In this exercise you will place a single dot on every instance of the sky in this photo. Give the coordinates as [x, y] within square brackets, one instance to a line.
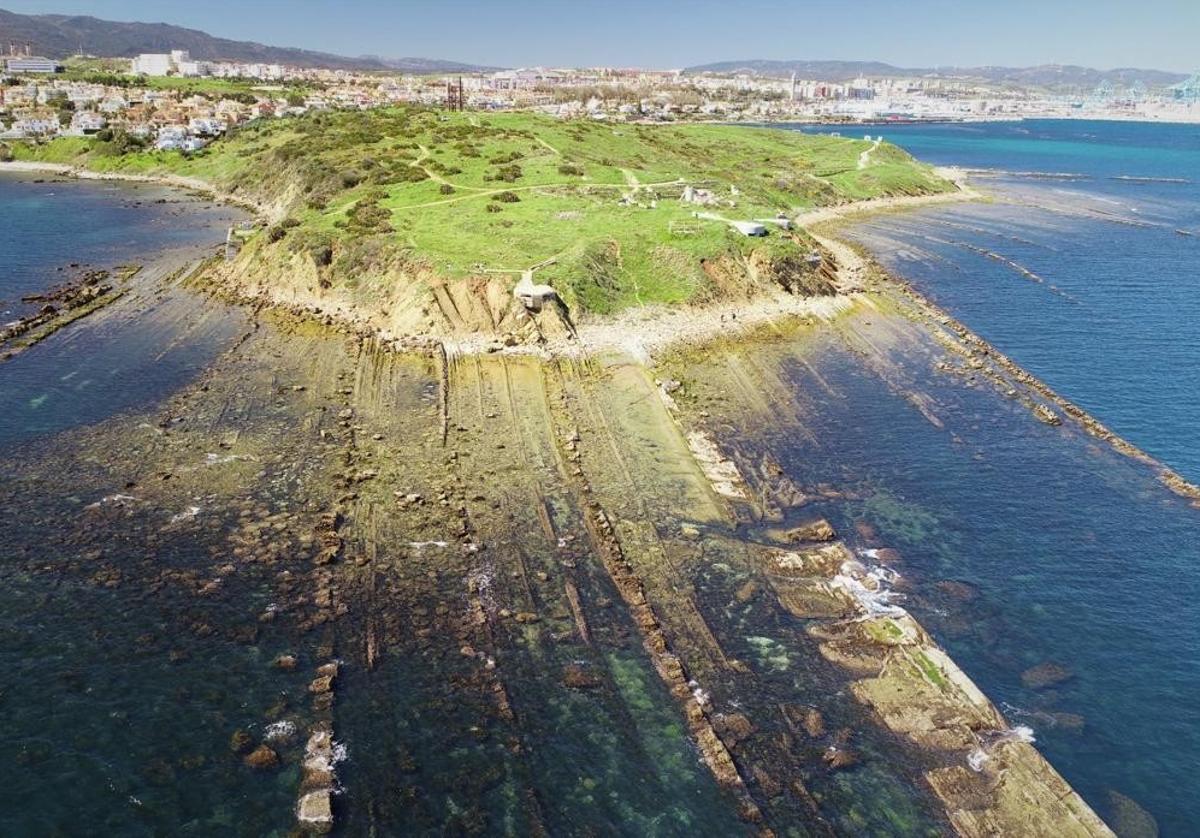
[1155, 34]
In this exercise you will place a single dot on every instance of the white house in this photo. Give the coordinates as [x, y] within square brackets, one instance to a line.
[206, 127]
[87, 122]
[171, 138]
[35, 127]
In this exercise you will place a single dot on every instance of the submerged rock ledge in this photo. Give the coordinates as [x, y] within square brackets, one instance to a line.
[539, 492]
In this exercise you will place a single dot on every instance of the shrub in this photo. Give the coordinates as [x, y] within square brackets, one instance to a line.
[570, 169]
[506, 197]
[367, 217]
[494, 208]
[511, 157]
[509, 174]
[446, 189]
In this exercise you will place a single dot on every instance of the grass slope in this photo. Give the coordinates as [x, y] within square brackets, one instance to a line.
[468, 193]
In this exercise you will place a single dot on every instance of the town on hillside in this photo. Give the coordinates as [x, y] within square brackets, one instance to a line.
[173, 102]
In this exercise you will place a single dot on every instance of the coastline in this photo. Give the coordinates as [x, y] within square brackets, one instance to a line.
[951, 120]
[189, 184]
[699, 328]
[644, 333]
[649, 331]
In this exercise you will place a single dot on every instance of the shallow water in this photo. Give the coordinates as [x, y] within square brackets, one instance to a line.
[1078, 557]
[51, 223]
[1069, 553]
[142, 347]
[147, 678]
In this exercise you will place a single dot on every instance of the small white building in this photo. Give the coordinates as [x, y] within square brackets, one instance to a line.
[32, 64]
[152, 64]
[170, 138]
[206, 127]
[532, 296]
[36, 127]
[749, 228]
[87, 122]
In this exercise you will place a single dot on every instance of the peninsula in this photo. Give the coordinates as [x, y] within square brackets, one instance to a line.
[411, 222]
[410, 228]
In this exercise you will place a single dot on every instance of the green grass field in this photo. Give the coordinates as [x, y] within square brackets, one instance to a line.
[471, 192]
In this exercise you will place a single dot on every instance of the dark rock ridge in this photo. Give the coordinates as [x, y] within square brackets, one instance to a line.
[59, 36]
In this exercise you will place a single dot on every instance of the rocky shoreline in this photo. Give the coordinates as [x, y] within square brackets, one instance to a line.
[541, 560]
[61, 306]
[981, 358]
[200, 188]
[418, 444]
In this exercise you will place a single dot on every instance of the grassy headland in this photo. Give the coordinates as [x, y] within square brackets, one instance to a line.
[419, 221]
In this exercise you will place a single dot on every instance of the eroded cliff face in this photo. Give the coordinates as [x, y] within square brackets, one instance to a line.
[371, 285]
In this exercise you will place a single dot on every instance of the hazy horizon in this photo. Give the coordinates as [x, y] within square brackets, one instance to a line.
[671, 34]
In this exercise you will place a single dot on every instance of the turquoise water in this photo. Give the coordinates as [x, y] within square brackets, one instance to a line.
[1072, 554]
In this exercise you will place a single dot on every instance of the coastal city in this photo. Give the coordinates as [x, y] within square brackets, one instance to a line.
[178, 103]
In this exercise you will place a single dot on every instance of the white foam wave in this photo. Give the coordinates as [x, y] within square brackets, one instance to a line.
[991, 739]
[869, 586]
[279, 731]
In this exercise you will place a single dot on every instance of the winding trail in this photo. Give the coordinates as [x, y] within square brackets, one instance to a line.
[864, 159]
[965, 192]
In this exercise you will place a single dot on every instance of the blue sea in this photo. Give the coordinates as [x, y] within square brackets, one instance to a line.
[1084, 269]
[54, 229]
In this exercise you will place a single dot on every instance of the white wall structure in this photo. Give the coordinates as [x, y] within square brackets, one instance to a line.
[152, 64]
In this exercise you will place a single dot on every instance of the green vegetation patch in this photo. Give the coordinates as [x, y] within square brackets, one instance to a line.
[600, 205]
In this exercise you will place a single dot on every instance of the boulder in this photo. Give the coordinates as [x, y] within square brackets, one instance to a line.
[1129, 820]
[840, 758]
[814, 723]
[733, 728]
[1045, 675]
[961, 591]
[815, 531]
[315, 809]
[578, 677]
[262, 757]
[241, 742]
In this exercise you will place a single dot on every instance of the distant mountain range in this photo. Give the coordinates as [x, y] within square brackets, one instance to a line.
[1047, 75]
[59, 36]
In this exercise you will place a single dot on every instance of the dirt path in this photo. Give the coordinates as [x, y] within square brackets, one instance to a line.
[864, 159]
[965, 192]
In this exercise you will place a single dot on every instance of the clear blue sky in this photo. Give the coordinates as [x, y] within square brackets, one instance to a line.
[1160, 34]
